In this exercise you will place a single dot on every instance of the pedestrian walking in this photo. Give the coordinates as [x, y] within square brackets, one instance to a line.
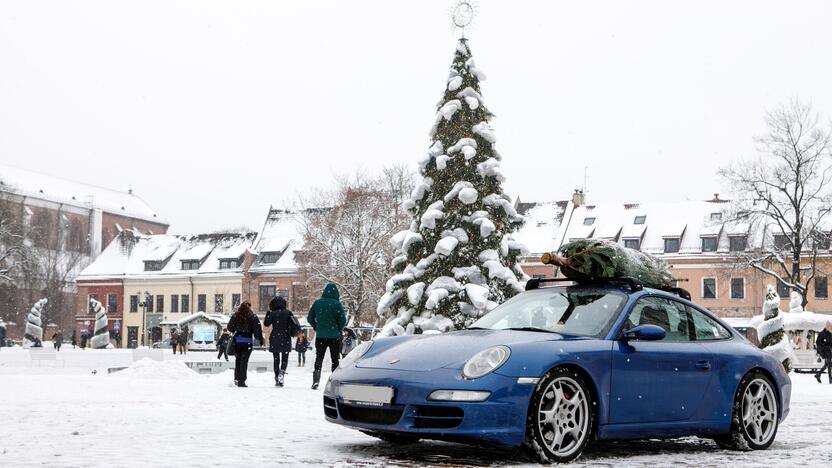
[2, 333]
[58, 339]
[823, 346]
[183, 341]
[222, 344]
[83, 339]
[301, 345]
[328, 319]
[174, 340]
[73, 340]
[245, 326]
[284, 327]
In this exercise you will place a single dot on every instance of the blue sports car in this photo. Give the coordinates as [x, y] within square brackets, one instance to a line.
[556, 366]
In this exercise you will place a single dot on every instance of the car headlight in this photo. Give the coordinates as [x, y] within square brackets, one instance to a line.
[485, 362]
[355, 354]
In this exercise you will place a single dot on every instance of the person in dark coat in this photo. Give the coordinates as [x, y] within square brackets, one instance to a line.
[58, 339]
[83, 339]
[174, 340]
[2, 334]
[245, 326]
[183, 341]
[73, 340]
[823, 346]
[301, 345]
[284, 327]
[328, 319]
[222, 344]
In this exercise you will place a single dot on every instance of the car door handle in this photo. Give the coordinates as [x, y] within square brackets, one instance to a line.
[704, 365]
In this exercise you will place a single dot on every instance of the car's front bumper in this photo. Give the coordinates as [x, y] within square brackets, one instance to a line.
[499, 420]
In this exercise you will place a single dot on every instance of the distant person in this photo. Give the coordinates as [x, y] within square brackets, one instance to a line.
[823, 346]
[222, 344]
[73, 340]
[284, 327]
[174, 340]
[83, 339]
[245, 326]
[301, 346]
[2, 334]
[183, 341]
[328, 319]
[58, 339]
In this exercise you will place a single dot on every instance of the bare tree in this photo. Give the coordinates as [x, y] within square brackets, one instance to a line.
[347, 232]
[784, 194]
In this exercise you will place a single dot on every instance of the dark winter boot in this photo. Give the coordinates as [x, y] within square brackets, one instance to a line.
[280, 378]
[817, 377]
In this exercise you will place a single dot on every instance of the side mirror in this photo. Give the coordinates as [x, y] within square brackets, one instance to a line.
[645, 333]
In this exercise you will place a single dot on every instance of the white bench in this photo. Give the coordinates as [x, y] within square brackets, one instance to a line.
[154, 354]
[43, 354]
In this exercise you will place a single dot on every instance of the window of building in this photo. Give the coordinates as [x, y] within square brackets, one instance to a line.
[190, 264]
[716, 216]
[235, 302]
[640, 219]
[267, 292]
[174, 303]
[708, 288]
[269, 257]
[201, 302]
[134, 303]
[671, 245]
[781, 241]
[186, 303]
[737, 288]
[589, 221]
[284, 293]
[632, 243]
[821, 287]
[90, 298]
[160, 303]
[152, 265]
[76, 239]
[737, 243]
[112, 303]
[706, 328]
[709, 244]
[148, 302]
[230, 264]
[219, 302]
[782, 290]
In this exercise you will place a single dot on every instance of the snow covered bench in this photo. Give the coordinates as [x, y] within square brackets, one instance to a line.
[43, 354]
[154, 354]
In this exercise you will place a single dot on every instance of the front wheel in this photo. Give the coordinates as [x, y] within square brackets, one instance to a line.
[754, 417]
[561, 418]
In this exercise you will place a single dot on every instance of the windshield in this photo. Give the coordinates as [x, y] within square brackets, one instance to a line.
[573, 311]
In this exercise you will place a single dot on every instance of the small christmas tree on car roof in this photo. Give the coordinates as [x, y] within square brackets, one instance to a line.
[597, 259]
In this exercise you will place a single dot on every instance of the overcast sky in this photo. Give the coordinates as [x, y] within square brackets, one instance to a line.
[214, 110]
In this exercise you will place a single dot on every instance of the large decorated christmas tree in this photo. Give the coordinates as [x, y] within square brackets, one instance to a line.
[457, 261]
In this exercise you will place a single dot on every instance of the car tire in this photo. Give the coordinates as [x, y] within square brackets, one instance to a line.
[755, 415]
[561, 417]
[396, 439]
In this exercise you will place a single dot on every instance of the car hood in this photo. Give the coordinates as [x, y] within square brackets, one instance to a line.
[430, 352]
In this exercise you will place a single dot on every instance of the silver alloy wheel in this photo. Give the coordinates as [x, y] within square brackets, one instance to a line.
[759, 411]
[563, 416]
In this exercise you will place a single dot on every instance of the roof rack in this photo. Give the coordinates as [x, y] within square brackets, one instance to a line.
[631, 282]
[681, 292]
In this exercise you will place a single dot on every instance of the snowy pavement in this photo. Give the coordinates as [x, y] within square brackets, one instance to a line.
[164, 414]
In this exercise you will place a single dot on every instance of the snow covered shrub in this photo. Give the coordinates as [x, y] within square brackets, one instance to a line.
[34, 326]
[773, 338]
[101, 335]
[457, 261]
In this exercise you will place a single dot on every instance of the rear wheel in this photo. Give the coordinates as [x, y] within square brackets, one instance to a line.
[397, 439]
[561, 418]
[754, 417]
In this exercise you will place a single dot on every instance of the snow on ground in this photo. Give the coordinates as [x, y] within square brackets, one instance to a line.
[155, 414]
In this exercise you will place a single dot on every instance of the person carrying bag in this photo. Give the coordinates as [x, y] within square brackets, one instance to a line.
[245, 326]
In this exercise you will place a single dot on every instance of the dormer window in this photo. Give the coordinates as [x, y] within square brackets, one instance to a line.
[671, 245]
[716, 216]
[641, 219]
[269, 257]
[190, 264]
[709, 244]
[589, 221]
[153, 265]
[229, 263]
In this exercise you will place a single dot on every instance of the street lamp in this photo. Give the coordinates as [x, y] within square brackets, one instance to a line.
[144, 305]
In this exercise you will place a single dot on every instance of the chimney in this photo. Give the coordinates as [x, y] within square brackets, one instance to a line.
[578, 197]
[716, 199]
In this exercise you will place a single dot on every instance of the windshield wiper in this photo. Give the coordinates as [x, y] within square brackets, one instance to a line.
[534, 329]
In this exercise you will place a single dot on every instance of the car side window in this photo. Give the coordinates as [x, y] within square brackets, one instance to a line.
[671, 316]
[706, 328]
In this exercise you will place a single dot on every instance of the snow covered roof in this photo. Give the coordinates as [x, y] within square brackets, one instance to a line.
[543, 221]
[55, 189]
[221, 320]
[127, 254]
[282, 234]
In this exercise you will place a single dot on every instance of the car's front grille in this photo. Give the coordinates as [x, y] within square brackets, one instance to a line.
[437, 417]
[370, 415]
[330, 408]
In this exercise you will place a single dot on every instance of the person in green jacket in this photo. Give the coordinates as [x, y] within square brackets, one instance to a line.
[328, 319]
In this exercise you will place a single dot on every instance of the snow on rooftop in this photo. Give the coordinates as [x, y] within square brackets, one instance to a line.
[282, 233]
[37, 185]
[543, 221]
[198, 251]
